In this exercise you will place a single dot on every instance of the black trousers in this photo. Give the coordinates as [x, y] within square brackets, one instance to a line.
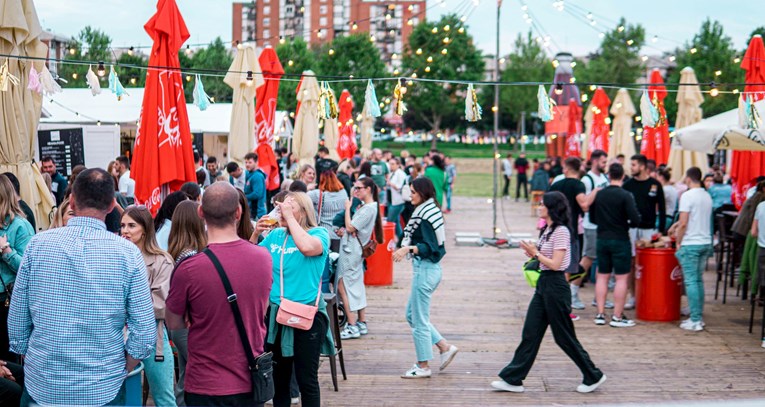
[551, 305]
[307, 348]
[506, 188]
[10, 391]
[235, 400]
[5, 353]
[522, 180]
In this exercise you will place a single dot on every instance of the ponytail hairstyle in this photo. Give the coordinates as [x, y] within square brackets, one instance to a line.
[369, 183]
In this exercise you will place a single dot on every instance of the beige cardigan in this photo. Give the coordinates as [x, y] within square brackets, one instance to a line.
[159, 268]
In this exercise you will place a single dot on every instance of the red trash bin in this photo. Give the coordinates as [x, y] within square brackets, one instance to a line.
[658, 285]
[380, 264]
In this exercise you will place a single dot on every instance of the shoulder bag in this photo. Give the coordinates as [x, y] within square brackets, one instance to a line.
[368, 249]
[531, 268]
[261, 368]
[294, 314]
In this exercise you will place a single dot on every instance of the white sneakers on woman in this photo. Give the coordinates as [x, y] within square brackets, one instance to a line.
[448, 356]
[416, 372]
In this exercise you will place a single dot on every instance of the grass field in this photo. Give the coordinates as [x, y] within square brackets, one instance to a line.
[458, 150]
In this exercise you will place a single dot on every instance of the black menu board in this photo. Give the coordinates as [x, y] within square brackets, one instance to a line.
[65, 146]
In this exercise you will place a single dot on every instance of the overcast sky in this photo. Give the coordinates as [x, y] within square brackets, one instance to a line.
[673, 21]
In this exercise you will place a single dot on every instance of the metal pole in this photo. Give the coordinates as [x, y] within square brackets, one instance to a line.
[523, 132]
[496, 129]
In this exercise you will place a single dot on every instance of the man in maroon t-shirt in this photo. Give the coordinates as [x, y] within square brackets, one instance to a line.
[217, 372]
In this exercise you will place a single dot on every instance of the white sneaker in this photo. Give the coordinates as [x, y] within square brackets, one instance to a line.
[763, 343]
[692, 326]
[688, 321]
[363, 329]
[583, 388]
[448, 356]
[416, 372]
[576, 303]
[609, 304]
[630, 304]
[622, 322]
[350, 332]
[295, 400]
[505, 386]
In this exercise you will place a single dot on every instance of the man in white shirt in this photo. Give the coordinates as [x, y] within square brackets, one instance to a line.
[507, 172]
[397, 182]
[236, 176]
[693, 234]
[126, 184]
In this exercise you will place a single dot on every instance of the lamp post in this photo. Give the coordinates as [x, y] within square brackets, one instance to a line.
[495, 109]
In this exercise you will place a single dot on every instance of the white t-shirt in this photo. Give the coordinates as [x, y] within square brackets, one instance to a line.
[397, 179]
[163, 234]
[698, 204]
[670, 198]
[507, 167]
[759, 216]
[559, 177]
[127, 185]
[600, 181]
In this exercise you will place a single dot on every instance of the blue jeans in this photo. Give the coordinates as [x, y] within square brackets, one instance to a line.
[449, 189]
[426, 278]
[161, 375]
[394, 215]
[693, 260]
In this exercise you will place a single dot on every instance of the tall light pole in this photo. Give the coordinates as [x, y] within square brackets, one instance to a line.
[495, 109]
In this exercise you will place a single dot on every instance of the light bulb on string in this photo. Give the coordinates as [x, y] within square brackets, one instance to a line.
[644, 58]
[98, 123]
[713, 91]
[290, 62]
[718, 73]
[630, 42]
[101, 70]
[463, 18]
[396, 71]
[72, 51]
[410, 22]
[524, 7]
[427, 69]
[572, 80]
[446, 40]
[354, 26]
[188, 49]
[694, 50]
[408, 83]
[621, 28]
[592, 88]
[735, 91]
[74, 75]
[601, 34]
[133, 81]
[736, 60]
[188, 78]
[414, 75]
[558, 89]
[249, 78]
[447, 28]
[593, 22]
[573, 64]
[671, 58]
[332, 52]
[371, 38]
[430, 59]
[584, 97]
[461, 30]
[130, 51]
[555, 63]
[281, 39]
[444, 51]
[410, 8]
[655, 39]
[419, 51]
[394, 56]
[434, 30]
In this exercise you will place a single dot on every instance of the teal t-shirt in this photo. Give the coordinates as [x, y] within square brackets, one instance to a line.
[379, 171]
[302, 275]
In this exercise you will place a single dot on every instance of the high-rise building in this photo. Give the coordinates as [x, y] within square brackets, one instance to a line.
[388, 22]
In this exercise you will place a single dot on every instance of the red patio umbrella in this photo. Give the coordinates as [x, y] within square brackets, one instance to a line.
[346, 143]
[600, 123]
[747, 165]
[574, 129]
[655, 144]
[265, 113]
[163, 134]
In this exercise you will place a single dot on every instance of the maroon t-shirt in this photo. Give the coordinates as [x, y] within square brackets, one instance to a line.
[217, 364]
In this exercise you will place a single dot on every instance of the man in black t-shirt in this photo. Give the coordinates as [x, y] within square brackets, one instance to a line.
[324, 163]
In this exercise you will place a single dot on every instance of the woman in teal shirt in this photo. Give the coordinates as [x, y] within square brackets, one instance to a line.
[301, 246]
[436, 172]
[15, 233]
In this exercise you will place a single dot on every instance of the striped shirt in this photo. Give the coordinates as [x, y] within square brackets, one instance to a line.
[558, 239]
[76, 290]
[332, 203]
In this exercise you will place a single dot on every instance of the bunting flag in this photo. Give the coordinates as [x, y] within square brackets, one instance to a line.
[6, 77]
[546, 105]
[472, 108]
[201, 100]
[327, 102]
[398, 95]
[115, 85]
[371, 105]
[92, 80]
[648, 113]
[49, 85]
[33, 83]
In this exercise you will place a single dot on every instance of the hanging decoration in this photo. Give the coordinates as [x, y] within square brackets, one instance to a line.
[398, 96]
[201, 100]
[327, 102]
[649, 114]
[371, 105]
[6, 77]
[546, 105]
[749, 117]
[115, 85]
[656, 144]
[49, 85]
[33, 83]
[473, 110]
[92, 80]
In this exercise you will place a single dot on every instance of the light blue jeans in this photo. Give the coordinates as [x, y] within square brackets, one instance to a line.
[426, 278]
[693, 261]
[161, 375]
[394, 215]
[449, 190]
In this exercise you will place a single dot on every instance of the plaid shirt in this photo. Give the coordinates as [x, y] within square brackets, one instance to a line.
[76, 289]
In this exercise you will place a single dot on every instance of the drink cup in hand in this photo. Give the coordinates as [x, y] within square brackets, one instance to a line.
[273, 218]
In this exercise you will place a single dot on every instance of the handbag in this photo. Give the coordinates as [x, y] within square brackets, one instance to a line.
[261, 368]
[367, 249]
[8, 292]
[531, 271]
[294, 314]
[406, 193]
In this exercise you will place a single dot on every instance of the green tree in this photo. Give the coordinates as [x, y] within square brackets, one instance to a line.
[709, 53]
[90, 44]
[618, 58]
[296, 58]
[215, 57]
[441, 50]
[527, 63]
[129, 76]
[352, 55]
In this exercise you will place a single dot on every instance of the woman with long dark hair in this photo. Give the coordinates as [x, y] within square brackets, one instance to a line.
[551, 304]
[424, 240]
[366, 224]
[163, 222]
[244, 228]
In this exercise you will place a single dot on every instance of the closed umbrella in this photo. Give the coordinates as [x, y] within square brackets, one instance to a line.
[623, 111]
[588, 116]
[600, 122]
[747, 165]
[689, 100]
[305, 139]
[331, 134]
[346, 145]
[163, 135]
[574, 129]
[244, 77]
[20, 107]
[265, 113]
[655, 144]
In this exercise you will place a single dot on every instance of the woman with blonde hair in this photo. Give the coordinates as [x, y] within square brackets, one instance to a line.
[137, 226]
[15, 233]
[63, 213]
[299, 249]
[307, 174]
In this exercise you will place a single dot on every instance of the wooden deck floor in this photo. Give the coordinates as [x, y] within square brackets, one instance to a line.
[480, 307]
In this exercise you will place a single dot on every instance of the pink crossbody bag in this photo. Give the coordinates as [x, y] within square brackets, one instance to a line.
[294, 314]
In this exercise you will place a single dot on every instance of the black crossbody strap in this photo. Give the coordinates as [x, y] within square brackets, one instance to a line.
[231, 298]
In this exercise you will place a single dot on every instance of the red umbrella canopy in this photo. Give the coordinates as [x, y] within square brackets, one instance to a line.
[747, 165]
[346, 143]
[574, 129]
[265, 113]
[600, 128]
[655, 144]
[163, 134]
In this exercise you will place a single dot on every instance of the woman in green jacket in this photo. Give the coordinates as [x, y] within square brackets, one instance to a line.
[436, 172]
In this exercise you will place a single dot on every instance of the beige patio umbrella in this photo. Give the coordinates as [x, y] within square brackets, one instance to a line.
[331, 135]
[623, 111]
[20, 107]
[588, 115]
[366, 130]
[305, 139]
[244, 77]
[689, 100]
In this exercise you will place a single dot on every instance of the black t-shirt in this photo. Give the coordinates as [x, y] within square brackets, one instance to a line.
[649, 196]
[614, 212]
[571, 188]
[324, 164]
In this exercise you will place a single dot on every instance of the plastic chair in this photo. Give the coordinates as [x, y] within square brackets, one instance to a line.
[332, 306]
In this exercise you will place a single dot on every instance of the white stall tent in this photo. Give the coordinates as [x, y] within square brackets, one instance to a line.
[702, 136]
